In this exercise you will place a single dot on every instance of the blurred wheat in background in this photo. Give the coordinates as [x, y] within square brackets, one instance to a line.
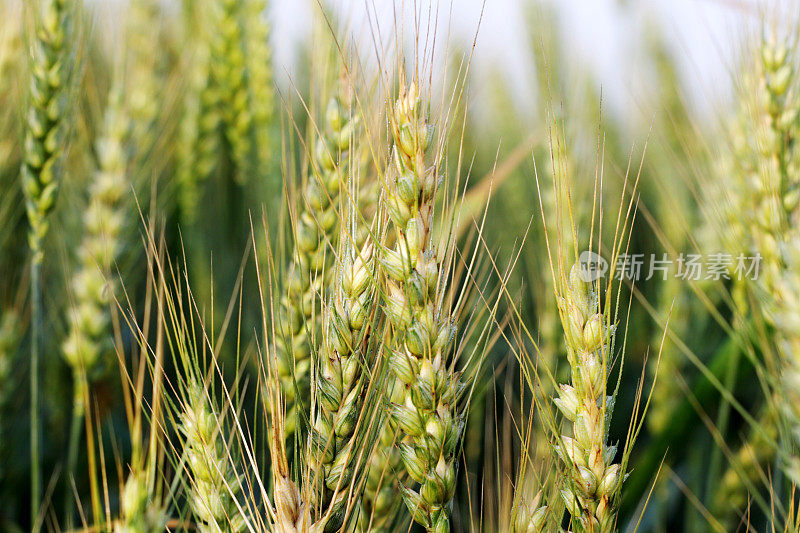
[388, 286]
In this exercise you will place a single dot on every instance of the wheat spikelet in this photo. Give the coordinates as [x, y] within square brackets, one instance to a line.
[138, 514]
[530, 515]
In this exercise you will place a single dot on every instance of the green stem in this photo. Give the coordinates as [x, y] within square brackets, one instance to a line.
[723, 417]
[669, 444]
[36, 327]
[80, 385]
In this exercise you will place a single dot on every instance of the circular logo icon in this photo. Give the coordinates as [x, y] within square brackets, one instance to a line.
[592, 266]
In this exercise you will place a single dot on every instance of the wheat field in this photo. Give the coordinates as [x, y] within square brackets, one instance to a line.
[377, 293]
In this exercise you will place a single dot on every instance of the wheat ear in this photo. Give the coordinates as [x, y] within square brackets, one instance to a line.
[592, 481]
[88, 341]
[422, 332]
[198, 142]
[229, 72]
[88, 338]
[341, 382]
[214, 485]
[768, 160]
[259, 69]
[315, 231]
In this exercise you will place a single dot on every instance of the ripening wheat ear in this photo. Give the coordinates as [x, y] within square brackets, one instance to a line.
[428, 417]
[52, 70]
[214, 486]
[335, 447]
[259, 70]
[52, 73]
[315, 231]
[88, 342]
[591, 479]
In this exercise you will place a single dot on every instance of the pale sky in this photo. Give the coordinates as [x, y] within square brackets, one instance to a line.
[605, 34]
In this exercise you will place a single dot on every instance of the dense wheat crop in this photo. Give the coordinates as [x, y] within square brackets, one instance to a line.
[383, 290]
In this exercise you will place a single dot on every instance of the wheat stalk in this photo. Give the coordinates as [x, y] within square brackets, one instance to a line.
[48, 121]
[10, 336]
